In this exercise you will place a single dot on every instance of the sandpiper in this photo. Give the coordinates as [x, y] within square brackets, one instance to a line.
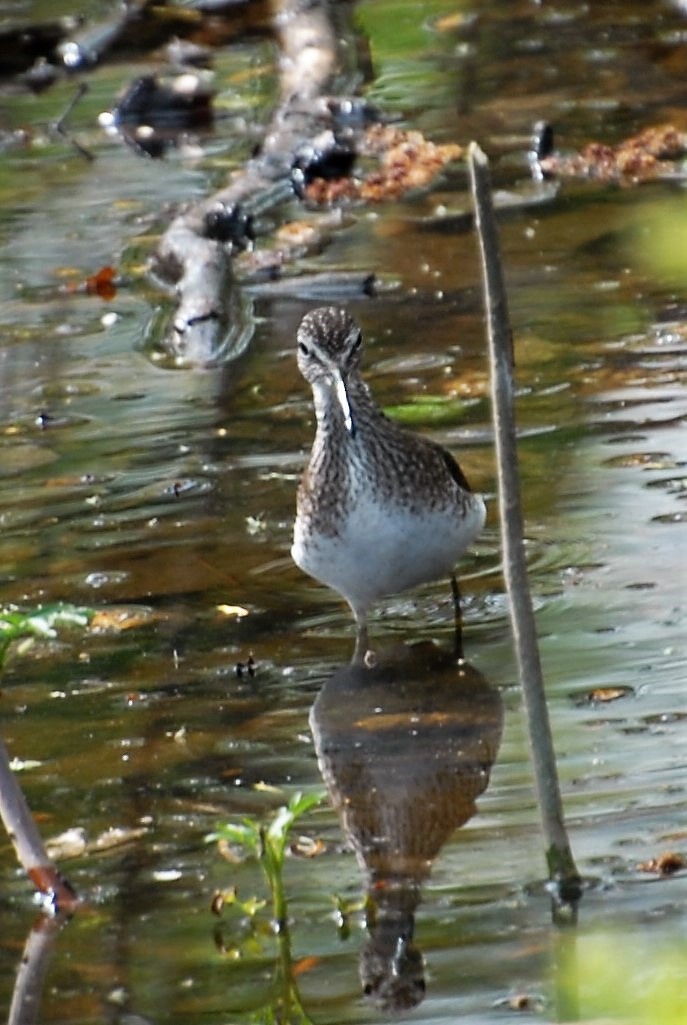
[380, 509]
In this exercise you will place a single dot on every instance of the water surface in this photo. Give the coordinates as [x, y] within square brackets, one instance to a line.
[172, 492]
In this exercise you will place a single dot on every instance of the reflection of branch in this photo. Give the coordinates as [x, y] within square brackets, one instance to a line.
[130, 25]
[28, 986]
[27, 841]
[561, 865]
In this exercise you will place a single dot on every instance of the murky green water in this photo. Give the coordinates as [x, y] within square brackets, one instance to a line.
[125, 483]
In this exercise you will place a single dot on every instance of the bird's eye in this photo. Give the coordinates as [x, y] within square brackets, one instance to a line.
[304, 349]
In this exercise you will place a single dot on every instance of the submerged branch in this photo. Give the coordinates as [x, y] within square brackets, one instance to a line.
[562, 870]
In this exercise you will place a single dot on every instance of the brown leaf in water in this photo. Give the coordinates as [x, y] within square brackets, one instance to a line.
[118, 618]
[102, 284]
[665, 864]
[306, 964]
[602, 695]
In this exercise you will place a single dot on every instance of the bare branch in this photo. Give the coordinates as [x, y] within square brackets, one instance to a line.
[195, 252]
[27, 841]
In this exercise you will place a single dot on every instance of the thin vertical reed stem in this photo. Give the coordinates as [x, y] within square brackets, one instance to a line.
[559, 856]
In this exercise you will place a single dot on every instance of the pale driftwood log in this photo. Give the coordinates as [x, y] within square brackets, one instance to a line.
[562, 870]
[195, 250]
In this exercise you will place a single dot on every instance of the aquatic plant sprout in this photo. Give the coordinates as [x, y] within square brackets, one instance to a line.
[41, 622]
[269, 843]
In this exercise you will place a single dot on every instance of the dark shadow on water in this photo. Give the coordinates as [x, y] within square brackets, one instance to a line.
[405, 748]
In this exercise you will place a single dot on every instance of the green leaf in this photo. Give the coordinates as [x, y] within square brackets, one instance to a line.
[285, 817]
[252, 905]
[428, 409]
[302, 803]
[245, 833]
[43, 621]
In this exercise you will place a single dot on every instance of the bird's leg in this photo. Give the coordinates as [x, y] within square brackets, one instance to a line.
[458, 620]
[360, 651]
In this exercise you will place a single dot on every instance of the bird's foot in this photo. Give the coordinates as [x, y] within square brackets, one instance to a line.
[369, 659]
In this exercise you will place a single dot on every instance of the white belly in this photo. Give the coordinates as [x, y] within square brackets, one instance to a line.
[379, 552]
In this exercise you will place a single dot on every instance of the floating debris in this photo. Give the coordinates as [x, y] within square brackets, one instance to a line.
[666, 864]
[651, 154]
[405, 161]
[602, 695]
[237, 611]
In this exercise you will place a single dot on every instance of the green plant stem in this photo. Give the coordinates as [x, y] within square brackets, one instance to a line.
[272, 852]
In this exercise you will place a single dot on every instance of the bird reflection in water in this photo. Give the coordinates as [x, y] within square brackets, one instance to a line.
[405, 747]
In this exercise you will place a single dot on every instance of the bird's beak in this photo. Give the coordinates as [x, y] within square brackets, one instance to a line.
[342, 396]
